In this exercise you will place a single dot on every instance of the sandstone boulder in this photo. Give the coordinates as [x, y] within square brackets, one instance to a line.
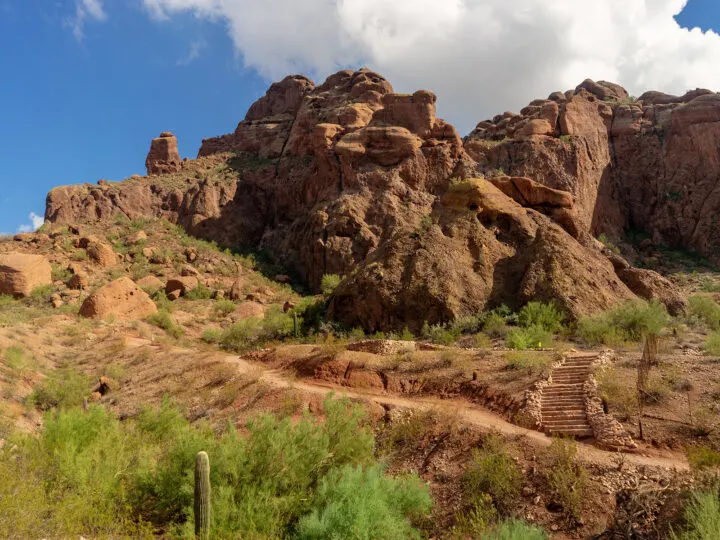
[163, 157]
[122, 299]
[21, 273]
[78, 281]
[182, 285]
[102, 254]
[652, 286]
[150, 283]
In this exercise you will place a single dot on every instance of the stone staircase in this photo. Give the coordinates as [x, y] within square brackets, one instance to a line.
[563, 402]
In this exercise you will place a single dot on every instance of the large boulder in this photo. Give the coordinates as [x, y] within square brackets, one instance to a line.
[121, 299]
[101, 254]
[163, 156]
[20, 273]
[652, 286]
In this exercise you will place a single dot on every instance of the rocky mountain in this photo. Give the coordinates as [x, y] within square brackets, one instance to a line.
[354, 179]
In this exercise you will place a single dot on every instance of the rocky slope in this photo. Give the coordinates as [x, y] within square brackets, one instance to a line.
[351, 178]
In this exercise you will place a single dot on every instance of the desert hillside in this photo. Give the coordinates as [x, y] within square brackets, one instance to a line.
[376, 328]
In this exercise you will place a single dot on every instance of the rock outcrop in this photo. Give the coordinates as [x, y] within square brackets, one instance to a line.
[121, 299]
[20, 273]
[163, 157]
[351, 178]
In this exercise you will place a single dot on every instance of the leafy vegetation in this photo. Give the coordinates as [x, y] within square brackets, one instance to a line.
[712, 345]
[532, 337]
[162, 319]
[329, 283]
[628, 322]
[92, 475]
[705, 309]
[514, 529]
[529, 363]
[546, 316]
[62, 389]
[566, 478]
[702, 516]
[253, 331]
[703, 457]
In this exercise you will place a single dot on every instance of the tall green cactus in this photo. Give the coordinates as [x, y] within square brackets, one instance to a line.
[202, 496]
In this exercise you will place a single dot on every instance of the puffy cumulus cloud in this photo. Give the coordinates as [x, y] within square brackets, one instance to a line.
[480, 56]
[35, 223]
[85, 10]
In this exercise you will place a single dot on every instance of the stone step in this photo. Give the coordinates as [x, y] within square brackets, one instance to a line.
[567, 427]
[558, 424]
[579, 433]
[564, 415]
[563, 395]
[563, 399]
[563, 407]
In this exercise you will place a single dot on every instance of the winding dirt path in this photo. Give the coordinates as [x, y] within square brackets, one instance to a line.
[470, 414]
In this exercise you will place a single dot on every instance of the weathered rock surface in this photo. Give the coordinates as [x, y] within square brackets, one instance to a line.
[353, 179]
[102, 254]
[20, 273]
[122, 299]
[163, 157]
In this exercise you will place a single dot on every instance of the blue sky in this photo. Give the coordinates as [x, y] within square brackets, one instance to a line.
[86, 84]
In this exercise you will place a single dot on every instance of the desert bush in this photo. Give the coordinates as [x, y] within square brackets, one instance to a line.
[477, 520]
[469, 324]
[252, 332]
[712, 345]
[62, 389]
[656, 391]
[162, 302]
[529, 363]
[495, 325]
[201, 292]
[703, 457]
[211, 335]
[546, 316]
[440, 334]
[60, 273]
[617, 394]
[357, 502]
[162, 319]
[532, 337]
[628, 322]
[88, 474]
[704, 420]
[223, 308]
[482, 341]
[514, 529]
[492, 470]
[567, 479]
[702, 517]
[705, 309]
[329, 283]
[14, 357]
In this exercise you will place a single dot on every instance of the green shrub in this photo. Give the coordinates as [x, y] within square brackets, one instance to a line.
[440, 334]
[493, 471]
[529, 363]
[469, 324]
[62, 389]
[533, 337]
[603, 238]
[211, 335]
[546, 316]
[201, 292]
[566, 478]
[476, 520]
[162, 302]
[329, 283]
[702, 517]
[482, 341]
[706, 310]
[495, 325]
[629, 322]
[406, 335]
[241, 335]
[703, 457]
[354, 502]
[60, 273]
[162, 319]
[712, 345]
[223, 308]
[42, 292]
[514, 529]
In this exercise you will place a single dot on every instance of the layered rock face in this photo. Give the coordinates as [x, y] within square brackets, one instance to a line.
[351, 178]
[651, 164]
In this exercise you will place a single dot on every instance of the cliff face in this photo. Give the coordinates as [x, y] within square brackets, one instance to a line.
[651, 164]
[350, 178]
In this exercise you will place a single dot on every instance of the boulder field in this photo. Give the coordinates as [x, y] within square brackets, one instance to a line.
[351, 178]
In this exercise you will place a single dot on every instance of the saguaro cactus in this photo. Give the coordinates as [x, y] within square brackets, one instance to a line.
[202, 496]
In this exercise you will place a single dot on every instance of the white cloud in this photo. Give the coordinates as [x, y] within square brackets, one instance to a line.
[35, 223]
[480, 56]
[85, 10]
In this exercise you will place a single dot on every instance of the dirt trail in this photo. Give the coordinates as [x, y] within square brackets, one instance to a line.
[468, 413]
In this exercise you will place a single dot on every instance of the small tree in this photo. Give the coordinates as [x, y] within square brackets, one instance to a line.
[649, 359]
